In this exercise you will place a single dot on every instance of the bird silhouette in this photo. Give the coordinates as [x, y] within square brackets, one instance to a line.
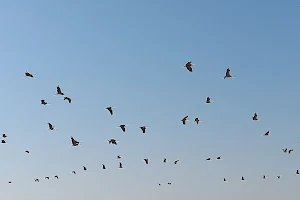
[110, 109]
[84, 168]
[120, 165]
[103, 166]
[267, 133]
[36, 180]
[219, 158]
[184, 119]
[243, 178]
[112, 141]
[146, 160]
[254, 117]
[176, 161]
[56, 176]
[3, 141]
[27, 74]
[143, 128]
[228, 75]
[290, 151]
[208, 101]
[189, 65]
[47, 177]
[284, 150]
[26, 151]
[74, 172]
[207, 158]
[122, 126]
[74, 142]
[165, 160]
[68, 98]
[58, 91]
[43, 102]
[4, 135]
[51, 127]
[297, 172]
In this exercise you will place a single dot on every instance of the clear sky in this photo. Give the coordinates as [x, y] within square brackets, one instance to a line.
[129, 54]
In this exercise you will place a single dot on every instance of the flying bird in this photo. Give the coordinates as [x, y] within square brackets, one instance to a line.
[9, 182]
[120, 165]
[264, 177]
[74, 172]
[207, 158]
[122, 126]
[112, 141]
[3, 141]
[143, 128]
[68, 98]
[284, 150]
[254, 117]
[169, 183]
[219, 158]
[208, 100]
[146, 160]
[118, 157]
[224, 180]
[243, 178]
[74, 142]
[176, 161]
[228, 75]
[56, 177]
[290, 151]
[103, 166]
[165, 160]
[110, 109]
[84, 168]
[58, 91]
[189, 65]
[47, 177]
[27, 74]
[36, 180]
[184, 120]
[267, 133]
[4, 135]
[297, 172]
[43, 102]
[197, 120]
[26, 151]
[51, 127]
[278, 177]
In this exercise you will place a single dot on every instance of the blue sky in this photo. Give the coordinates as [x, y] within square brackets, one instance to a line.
[129, 54]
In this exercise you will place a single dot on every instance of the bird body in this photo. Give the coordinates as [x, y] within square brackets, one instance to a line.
[189, 65]
[184, 119]
[58, 91]
[51, 127]
[68, 98]
[74, 142]
[146, 161]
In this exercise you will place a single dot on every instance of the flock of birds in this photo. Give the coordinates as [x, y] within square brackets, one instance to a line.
[74, 142]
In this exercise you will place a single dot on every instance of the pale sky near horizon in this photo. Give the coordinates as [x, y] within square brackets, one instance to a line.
[130, 55]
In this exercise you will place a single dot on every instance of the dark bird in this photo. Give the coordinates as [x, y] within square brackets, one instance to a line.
[197, 120]
[112, 141]
[189, 65]
[9, 182]
[110, 109]
[159, 184]
[26, 151]
[297, 172]
[27, 74]
[84, 168]
[51, 127]
[47, 177]
[228, 75]
[290, 151]
[3, 141]
[284, 150]
[36, 180]
[264, 177]
[219, 158]
[165, 160]
[118, 157]
[122, 126]
[74, 142]
[146, 160]
[224, 179]
[56, 177]
[254, 117]
[278, 177]
[207, 158]
[103, 166]
[58, 91]
[176, 161]
[208, 100]
[267, 133]
[243, 178]
[68, 98]
[4, 135]
[120, 165]
[43, 102]
[169, 183]
[143, 128]
[184, 120]
[74, 172]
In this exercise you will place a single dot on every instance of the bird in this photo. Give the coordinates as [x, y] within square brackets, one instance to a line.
[197, 120]
[169, 183]
[264, 177]
[51, 127]
[208, 100]
[47, 177]
[3, 141]
[43, 102]
[84, 168]
[184, 119]
[228, 75]
[284, 150]
[74, 142]
[36, 180]
[159, 184]
[297, 172]
[146, 160]
[278, 177]
[103, 166]
[189, 65]
[224, 180]
[267, 133]
[143, 128]
[27, 74]
[58, 91]
[165, 160]
[290, 151]
[4, 135]
[254, 117]
[207, 158]
[112, 141]
[118, 157]
[74, 172]
[110, 109]
[68, 98]
[9, 182]
[122, 126]
[26, 151]
[176, 161]
[120, 165]
[219, 158]
[56, 176]
[243, 178]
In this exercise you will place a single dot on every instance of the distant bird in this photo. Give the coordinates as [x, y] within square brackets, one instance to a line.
[143, 128]
[267, 133]
[3, 141]
[278, 177]
[47, 177]
[208, 100]
[68, 98]
[74, 172]
[56, 177]
[224, 179]
[26, 151]
[165, 160]
[103, 166]
[207, 158]
[184, 119]
[84, 168]
[122, 126]
[9, 182]
[189, 65]
[159, 184]
[110, 109]
[243, 178]
[4, 135]
[284, 150]
[297, 172]
[74, 142]
[112, 141]
[219, 158]
[264, 177]
[254, 117]
[58, 91]
[120, 165]
[27, 74]
[36, 180]
[197, 120]
[176, 161]
[169, 183]
[146, 161]
[51, 127]
[43, 102]
[228, 75]
[119, 157]
[290, 151]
